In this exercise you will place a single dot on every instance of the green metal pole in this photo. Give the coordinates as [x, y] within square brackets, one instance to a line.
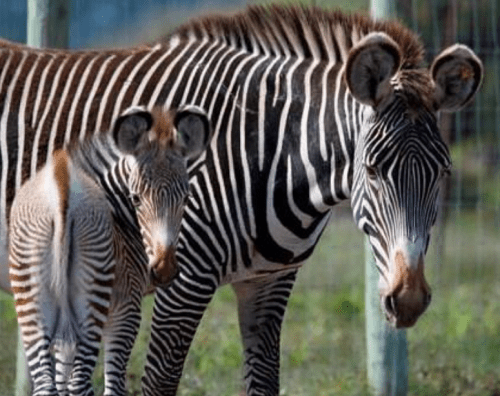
[48, 23]
[387, 351]
[47, 27]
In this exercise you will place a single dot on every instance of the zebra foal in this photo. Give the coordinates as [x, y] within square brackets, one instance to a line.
[73, 275]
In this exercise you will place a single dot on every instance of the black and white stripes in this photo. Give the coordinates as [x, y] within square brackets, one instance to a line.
[292, 94]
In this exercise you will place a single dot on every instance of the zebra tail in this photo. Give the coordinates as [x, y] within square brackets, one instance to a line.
[61, 254]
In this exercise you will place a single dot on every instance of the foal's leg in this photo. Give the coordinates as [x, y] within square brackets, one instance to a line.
[37, 311]
[92, 276]
[119, 335]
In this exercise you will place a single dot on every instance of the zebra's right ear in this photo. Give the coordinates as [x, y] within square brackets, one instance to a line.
[193, 130]
[369, 68]
[130, 127]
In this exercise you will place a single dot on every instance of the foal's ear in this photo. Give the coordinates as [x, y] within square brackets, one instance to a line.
[369, 68]
[130, 129]
[457, 73]
[193, 130]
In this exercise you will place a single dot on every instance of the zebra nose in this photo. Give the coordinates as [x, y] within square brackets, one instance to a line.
[404, 310]
[409, 295]
[163, 266]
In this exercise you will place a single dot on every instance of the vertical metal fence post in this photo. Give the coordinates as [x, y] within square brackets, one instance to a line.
[48, 23]
[47, 26]
[387, 352]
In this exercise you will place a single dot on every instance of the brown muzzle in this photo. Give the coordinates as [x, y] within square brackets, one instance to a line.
[409, 294]
[163, 266]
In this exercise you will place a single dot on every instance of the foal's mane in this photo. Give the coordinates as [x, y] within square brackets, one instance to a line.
[298, 27]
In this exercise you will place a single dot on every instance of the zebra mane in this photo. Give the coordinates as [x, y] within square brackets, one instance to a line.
[308, 32]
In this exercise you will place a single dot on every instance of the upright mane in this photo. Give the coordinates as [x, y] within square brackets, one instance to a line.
[305, 31]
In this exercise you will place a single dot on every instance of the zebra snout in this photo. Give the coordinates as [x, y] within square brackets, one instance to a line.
[403, 310]
[163, 266]
[409, 295]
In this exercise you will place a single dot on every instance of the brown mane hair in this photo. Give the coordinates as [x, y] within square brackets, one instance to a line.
[265, 23]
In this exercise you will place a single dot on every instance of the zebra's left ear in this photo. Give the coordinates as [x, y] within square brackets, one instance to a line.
[129, 129]
[193, 130]
[457, 73]
[369, 68]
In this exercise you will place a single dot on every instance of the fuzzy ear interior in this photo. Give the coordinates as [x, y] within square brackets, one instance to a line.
[193, 130]
[130, 127]
[370, 67]
[457, 73]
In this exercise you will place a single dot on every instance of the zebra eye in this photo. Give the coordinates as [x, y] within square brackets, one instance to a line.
[445, 172]
[135, 200]
[373, 176]
[371, 172]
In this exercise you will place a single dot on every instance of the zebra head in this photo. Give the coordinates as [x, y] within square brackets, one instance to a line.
[158, 145]
[401, 158]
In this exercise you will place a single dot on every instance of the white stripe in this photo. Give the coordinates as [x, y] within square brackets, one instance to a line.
[213, 146]
[91, 95]
[322, 111]
[339, 34]
[206, 69]
[281, 234]
[107, 92]
[173, 89]
[125, 86]
[213, 73]
[197, 66]
[304, 218]
[76, 99]
[21, 126]
[68, 85]
[315, 196]
[341, 135]
[35, 119]
[3, 128]
[262, 111]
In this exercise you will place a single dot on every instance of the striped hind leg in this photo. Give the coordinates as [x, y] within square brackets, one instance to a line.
[36, 311]
[92, 277]
[261, 307]
[119, 336]
[64, 359]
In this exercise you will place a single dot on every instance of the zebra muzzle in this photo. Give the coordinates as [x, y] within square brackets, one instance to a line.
[163, 267]
[409, 295]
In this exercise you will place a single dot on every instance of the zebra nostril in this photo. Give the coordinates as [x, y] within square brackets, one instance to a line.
[391, 304]
[427, 299]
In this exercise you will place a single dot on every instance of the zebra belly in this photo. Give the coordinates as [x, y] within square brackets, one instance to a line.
[261, 268]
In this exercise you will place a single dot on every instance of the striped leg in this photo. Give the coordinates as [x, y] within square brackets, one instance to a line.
[91, 279]
[64, 359]
[80, 383]
[261, 306]
[33, 300]
[41, 368]
[177, 313]
[119, 336]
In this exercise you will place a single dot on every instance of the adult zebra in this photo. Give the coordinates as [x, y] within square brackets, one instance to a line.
[309, 108]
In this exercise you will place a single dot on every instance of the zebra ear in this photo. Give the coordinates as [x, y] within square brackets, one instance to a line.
[130, 127]
[457, 73]
[193, 130]
[369, 68]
